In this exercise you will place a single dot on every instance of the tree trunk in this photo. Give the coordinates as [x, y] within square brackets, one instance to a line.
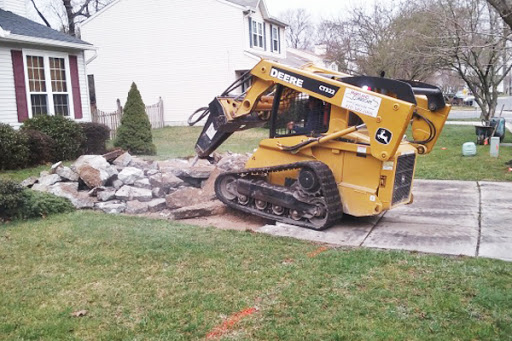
[70, 16]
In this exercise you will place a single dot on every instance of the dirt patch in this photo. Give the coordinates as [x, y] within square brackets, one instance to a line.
[231, 220]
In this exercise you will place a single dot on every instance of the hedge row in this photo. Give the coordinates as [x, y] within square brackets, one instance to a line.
[17, 202]
[49, 139]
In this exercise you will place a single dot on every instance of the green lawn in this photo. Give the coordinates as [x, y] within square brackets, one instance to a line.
[175, 142]
[450, 164]
[142, 279]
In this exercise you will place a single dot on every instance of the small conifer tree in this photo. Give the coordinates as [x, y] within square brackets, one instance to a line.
[134, 133]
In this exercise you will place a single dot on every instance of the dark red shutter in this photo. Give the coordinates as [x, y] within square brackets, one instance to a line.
[19, 85]
[75, 86]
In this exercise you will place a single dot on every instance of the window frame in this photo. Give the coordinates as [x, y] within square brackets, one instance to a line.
[257, 38]
[275, 38]
[46, 55]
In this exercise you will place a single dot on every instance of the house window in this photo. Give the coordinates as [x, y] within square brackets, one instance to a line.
[48, 85]
[257, 34]
[275, 39]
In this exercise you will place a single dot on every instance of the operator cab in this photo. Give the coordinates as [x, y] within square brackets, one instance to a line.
[297, 113]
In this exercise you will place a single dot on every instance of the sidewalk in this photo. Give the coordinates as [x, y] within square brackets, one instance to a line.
[447, 217]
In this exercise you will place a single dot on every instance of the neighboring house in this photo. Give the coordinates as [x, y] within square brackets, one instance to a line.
[42, 71]
[185, 51]
[318, 57]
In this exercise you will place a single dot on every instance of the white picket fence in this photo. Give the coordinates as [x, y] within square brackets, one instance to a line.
[112, 119]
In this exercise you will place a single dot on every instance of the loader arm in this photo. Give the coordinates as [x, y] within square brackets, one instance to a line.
[386, 113]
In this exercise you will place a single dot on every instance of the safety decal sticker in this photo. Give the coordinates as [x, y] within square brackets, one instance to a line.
[383, 136]
[361, 102]
[211, 131]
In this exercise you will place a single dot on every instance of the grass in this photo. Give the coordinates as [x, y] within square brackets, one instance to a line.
[141, 279]
[449, 164]
[172, 142]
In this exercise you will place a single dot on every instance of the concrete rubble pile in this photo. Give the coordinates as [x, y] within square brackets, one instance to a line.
[174, 188]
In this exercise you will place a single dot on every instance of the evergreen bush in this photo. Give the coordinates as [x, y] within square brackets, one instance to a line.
[96, 136]
[17, 202]
[11, 199]
[40, 204]
[67, 134]
[134, 134]
[14, 151]
[41, 147]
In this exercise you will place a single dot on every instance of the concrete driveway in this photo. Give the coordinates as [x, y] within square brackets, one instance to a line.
[447, 217]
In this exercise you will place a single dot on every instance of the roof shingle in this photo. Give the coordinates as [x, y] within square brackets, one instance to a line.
[22, 26]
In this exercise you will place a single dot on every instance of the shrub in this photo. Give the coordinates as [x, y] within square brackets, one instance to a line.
[41, 147]
[17, 202]
[39, 204]
[13, 148]
[67, 134]
[96, 135]
[134, 134]
[11, 198]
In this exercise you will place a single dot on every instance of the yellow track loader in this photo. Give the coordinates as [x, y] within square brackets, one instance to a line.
[337, 143]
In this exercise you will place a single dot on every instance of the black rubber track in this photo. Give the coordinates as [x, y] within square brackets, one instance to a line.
[329, 191]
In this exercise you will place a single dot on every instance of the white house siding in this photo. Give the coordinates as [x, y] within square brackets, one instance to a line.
[186, 51]
[84, 88]
[18, 7]
[8, 109]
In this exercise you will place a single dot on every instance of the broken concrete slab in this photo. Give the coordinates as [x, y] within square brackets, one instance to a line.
[443, 239]
[54, 167]
[136, 207]
[203, 209]
[49, 180]
[106, 195]
[143, 183]
[496, 220]
[128, 193]
[111, 207]
[156, 205]
[208, 189]
[187, 196]
[123, 160]
[94, 170]
[350, 231]
[69, 190]
[67, 173]
[130, 174]
[29, 182]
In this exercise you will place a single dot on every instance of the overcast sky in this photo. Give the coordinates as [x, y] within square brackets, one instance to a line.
[318, 8]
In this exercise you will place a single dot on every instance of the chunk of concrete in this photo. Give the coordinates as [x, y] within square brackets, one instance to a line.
[136, 207]
[133, 193]
[29, 182]
[208, 189]
[69, 190]
[157, 205]
[123, 160]
[143, 183]
[111, 207]
[55, 166]
[200, 210]
[106, 195]
[158, 192]
[166, 181]
[94, 170]
[130, 174]
[49, 180]
[67, 174]
[187, 196]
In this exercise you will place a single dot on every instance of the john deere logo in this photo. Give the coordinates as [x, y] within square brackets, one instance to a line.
[383, 136]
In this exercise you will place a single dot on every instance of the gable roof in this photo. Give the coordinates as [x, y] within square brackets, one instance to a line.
[245, 3]
[20, 26]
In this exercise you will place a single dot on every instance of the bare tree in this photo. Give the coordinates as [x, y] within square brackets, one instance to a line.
[72, 12]
[300, 30]
[474, 43]
[380, 39]
[504, 8]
